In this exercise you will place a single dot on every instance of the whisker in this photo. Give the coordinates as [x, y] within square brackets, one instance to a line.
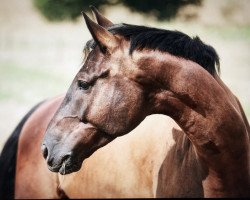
[64, 169]
[63, 176]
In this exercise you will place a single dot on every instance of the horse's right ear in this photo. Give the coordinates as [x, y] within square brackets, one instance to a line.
[101, 20]
[104, 39]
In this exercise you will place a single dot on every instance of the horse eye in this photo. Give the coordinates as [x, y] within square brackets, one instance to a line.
[83, 85]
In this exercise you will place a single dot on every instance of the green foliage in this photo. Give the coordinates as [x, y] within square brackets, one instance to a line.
[161, 9]
[57, 10]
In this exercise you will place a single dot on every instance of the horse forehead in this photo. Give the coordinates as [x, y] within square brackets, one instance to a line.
[122, 62]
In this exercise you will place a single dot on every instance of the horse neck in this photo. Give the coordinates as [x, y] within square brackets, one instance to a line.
[209, 115]
[235, 101]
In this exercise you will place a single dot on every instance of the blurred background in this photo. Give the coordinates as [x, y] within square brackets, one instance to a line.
[41, 43]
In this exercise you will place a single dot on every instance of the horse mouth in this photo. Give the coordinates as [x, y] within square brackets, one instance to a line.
[71, 159]
[66, 167]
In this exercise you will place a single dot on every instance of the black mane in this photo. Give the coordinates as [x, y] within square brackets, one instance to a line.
[173, 42]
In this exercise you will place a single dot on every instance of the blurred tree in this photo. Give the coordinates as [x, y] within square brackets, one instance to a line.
[57, 10]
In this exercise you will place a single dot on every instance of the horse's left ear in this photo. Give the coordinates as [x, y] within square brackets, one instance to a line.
[101, 20]
[104, 39]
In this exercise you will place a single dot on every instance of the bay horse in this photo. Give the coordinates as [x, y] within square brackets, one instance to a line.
[130, 73]
[24, 173]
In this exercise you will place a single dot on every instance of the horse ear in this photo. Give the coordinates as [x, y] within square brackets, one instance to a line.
[101, 20]
[104, 39]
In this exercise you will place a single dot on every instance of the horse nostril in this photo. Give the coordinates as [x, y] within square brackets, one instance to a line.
[50, 161]
[44, 151]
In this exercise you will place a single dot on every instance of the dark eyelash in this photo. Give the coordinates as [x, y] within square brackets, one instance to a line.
[104, 74]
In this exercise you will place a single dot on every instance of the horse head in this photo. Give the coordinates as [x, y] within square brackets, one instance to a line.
[103, 102]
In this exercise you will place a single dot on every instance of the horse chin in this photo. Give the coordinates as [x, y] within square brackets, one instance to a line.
[72, 164]
[68, 168]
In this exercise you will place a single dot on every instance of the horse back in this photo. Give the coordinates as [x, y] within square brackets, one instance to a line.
[31, 167]
[8, 159]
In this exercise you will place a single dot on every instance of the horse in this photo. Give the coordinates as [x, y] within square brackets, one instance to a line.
[24, 172]
[132, 72]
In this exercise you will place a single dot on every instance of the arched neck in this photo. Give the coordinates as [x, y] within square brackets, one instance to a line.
[209, 114]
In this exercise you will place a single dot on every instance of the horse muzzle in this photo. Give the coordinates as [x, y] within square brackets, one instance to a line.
[64, 149]
[64, 163]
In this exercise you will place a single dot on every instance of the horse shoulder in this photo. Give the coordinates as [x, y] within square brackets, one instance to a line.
[180, 174]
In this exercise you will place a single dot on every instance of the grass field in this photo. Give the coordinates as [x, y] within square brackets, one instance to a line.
[38, 60]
